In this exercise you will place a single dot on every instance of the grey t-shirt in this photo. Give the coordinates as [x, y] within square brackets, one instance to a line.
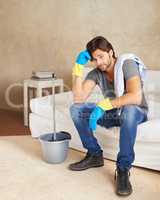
[130, 69]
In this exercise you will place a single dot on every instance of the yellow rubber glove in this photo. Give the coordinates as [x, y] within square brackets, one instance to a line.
[105, 104]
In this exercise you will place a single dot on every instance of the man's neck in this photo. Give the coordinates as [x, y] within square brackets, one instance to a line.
[110, 71]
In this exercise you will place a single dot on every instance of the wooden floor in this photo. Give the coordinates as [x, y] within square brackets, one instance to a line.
[11, 123]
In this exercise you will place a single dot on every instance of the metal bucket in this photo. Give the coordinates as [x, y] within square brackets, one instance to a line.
[55, 151]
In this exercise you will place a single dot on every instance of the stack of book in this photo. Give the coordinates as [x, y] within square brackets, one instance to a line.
[43, 75]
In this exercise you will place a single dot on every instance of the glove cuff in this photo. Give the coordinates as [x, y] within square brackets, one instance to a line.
[105, 104]
[77, 70]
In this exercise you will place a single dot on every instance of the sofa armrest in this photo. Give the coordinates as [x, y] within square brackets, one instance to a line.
[64, 98]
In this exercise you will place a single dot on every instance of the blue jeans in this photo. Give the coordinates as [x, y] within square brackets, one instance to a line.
[127, 120]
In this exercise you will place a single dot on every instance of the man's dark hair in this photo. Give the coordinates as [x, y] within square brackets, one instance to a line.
[101, 43]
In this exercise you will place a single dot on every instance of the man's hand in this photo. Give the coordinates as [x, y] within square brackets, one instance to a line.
[81, 60]
[98, 112]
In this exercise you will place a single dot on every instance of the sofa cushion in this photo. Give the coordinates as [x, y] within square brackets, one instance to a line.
[153, 109]
[151, 83]
[147, 131]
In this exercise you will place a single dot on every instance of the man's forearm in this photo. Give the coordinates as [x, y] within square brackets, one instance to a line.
[77, 89]
[127, 99]
[77, 73]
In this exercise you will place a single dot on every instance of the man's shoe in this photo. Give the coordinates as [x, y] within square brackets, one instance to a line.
[89, 161]
[123, 185]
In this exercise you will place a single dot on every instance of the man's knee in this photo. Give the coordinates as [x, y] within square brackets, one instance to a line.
[75, 110]
[81, 110]
[128, 114]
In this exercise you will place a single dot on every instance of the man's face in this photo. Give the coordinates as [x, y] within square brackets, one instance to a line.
[102, 59]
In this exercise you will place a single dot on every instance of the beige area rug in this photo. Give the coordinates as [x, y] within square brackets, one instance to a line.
[25, 176]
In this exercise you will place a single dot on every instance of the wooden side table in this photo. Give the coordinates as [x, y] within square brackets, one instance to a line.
[39, 85]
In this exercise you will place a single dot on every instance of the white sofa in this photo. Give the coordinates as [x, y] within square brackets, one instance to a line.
[147, 147]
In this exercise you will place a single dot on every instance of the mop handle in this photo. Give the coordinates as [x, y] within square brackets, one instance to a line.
[54, 122]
